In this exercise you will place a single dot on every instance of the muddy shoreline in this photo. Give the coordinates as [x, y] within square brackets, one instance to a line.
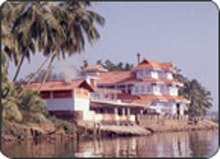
[84, 132]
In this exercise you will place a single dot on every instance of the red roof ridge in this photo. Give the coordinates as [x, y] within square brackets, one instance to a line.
[59, 85]
[146, 62]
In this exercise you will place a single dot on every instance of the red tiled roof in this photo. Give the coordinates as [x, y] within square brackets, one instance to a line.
[146, 99]
[59, 85]
[127, 76]
[148, 63]
[114, 77]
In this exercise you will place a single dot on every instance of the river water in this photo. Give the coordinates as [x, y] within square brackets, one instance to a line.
[175, 144]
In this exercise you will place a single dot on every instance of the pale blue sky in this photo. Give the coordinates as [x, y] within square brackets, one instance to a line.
[185, 33]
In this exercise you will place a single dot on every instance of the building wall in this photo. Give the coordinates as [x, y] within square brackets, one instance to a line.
[143, 73]
[63, 104]
[149, 73]
[78, 102]
[154, 74]
[81, 104]
[158, 89]
[170, 107]
[81, 99]
[142, 88]
[173, 91]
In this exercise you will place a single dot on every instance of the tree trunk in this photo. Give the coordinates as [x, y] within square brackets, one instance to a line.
[47, 73]
[19, 67]
[40, 68]
[37, 72]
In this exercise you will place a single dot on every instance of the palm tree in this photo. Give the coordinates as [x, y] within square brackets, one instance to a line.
[9, 94]
[9, 44]
[31, 101]
[35, 28]
[55, 29]
[200, 99]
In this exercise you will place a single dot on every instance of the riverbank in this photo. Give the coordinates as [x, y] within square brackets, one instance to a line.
[152, 127]
[173, 126]
[56, 129]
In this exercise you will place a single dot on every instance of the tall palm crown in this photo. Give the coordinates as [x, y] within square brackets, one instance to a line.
[49, 27]
[200, 99]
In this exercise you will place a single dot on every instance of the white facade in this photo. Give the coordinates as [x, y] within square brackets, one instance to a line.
[154, 73]
[151, 79]
[64, 104]
[81, 104]
[154, 88]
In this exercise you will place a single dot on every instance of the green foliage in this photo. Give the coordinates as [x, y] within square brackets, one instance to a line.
[14, 130]
[47, 27]
[116, 67]
[13, 106]
[200, 98]
[10, 110]
[31, 101]
[33, 117]
[110, 66]
[65, 125]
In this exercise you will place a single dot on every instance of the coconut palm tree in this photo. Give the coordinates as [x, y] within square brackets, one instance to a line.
[200, 99]
[9, 94]
[9, 44]
[55, 29]
[78, 24]
[35, 28]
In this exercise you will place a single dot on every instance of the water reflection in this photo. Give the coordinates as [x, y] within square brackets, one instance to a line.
[179, 144]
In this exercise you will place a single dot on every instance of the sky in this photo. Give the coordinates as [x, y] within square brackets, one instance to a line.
[184, 33]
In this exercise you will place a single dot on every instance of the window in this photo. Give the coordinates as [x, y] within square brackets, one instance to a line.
[62, 94]
[45, 94]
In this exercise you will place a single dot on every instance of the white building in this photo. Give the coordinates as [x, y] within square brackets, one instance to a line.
[150, 85]
[63, 98]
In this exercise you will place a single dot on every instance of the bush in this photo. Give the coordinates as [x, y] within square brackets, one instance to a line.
[31, 101]
[34, 117]
[14, 130]
[65, 125]
[10, 110]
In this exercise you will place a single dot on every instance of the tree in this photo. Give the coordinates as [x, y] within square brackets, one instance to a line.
[31, 101]
[110, 66]
[51, 28]
[200, 99]
[9, 44]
